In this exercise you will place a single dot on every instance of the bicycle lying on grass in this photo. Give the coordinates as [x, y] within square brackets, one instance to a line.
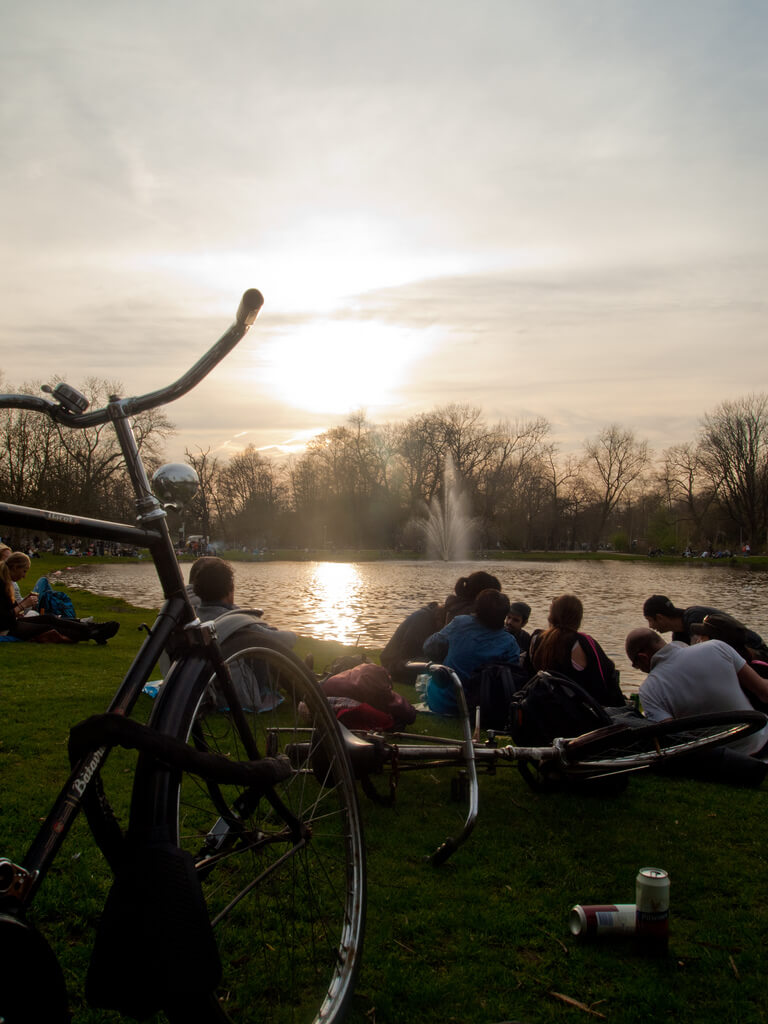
[243, 871]
[595, 758]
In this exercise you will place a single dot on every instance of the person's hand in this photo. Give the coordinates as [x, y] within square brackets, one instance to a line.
[30, 601]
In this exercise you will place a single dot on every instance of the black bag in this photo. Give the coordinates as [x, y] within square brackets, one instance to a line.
[491, 689]
[551, 706]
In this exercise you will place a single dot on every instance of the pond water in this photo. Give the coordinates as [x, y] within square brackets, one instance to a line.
[361, 603]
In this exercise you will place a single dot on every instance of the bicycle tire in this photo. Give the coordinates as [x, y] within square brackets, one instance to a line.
[291, 947]
[645, 745]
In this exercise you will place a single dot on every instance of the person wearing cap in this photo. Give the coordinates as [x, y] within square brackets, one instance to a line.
[663, 616]
[696, 680]
[515, 623]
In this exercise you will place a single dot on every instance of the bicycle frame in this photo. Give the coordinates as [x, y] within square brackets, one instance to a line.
[176, 619]
[371, 754]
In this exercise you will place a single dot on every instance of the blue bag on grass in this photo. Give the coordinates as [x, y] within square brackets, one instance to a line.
[53, 602]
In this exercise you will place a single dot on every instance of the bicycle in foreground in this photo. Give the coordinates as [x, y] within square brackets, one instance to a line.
[605, 755]
[239, 877]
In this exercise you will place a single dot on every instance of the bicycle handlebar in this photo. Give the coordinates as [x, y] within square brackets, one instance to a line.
[247, 311]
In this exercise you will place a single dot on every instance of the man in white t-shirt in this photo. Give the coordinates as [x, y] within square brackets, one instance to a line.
[695, 680]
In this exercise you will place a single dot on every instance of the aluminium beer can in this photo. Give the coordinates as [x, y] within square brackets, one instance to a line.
[652, 899]
[590, 920]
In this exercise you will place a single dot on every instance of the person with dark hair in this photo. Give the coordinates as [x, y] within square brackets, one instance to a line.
[515, 623]
[719, 626]
[214, 584]
[468, 642]
[664, 616]
[407, 642]
[563, 648]
[465, 590]
[197, 565]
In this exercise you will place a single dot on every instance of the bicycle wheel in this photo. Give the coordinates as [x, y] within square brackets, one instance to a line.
[288, 914]
[624, 750]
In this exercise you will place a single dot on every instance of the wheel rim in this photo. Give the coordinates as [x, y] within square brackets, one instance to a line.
[286, 900]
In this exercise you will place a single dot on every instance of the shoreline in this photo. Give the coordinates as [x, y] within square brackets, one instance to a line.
[747, 563]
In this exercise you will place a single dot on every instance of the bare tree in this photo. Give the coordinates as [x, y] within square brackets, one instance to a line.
[206, 506]
[420, 449]
[687, 487]
[44, 463]
[613, 461]
[734, 450]
[253, 493]
[557, 475]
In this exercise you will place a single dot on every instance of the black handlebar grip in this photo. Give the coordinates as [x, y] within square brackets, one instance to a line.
[250, 304]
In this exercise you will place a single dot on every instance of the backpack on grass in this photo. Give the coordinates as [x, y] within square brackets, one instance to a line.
[53, 602]
[492, 689]
[552, 706]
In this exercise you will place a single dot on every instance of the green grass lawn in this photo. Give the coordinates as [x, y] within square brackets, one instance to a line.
[484, 938]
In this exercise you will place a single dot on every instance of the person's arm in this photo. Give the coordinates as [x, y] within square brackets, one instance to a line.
[751, 681]
[653, 709]
[578, 657]
[436, 646]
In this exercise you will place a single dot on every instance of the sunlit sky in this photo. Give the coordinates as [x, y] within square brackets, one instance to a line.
[541, 207]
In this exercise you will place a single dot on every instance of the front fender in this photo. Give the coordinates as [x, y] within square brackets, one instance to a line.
[31, 983]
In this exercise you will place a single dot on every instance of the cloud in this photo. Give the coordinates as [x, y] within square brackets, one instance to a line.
[560, 206]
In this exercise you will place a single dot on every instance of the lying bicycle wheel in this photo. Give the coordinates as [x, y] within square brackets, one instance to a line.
[283, 874]
[615, 749]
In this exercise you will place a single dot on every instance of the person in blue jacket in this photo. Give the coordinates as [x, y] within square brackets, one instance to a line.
[466, 644]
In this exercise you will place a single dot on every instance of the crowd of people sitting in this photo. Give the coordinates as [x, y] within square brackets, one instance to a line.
[477, 625]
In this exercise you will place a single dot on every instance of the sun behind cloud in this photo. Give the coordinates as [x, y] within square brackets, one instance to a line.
[331, 367]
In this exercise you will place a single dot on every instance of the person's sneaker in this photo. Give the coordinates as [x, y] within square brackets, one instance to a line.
[103, 631]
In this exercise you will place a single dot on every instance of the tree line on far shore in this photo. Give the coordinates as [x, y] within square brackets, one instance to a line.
[362, 486]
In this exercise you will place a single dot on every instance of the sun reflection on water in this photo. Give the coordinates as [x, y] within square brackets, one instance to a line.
[335, 591]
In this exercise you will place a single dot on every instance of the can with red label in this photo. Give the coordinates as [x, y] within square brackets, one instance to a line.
[652, 898]
[591, 920]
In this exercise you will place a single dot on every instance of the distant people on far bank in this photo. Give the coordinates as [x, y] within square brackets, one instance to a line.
[664, 616]
[466, 644]
[563, 648]
[407, 642]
